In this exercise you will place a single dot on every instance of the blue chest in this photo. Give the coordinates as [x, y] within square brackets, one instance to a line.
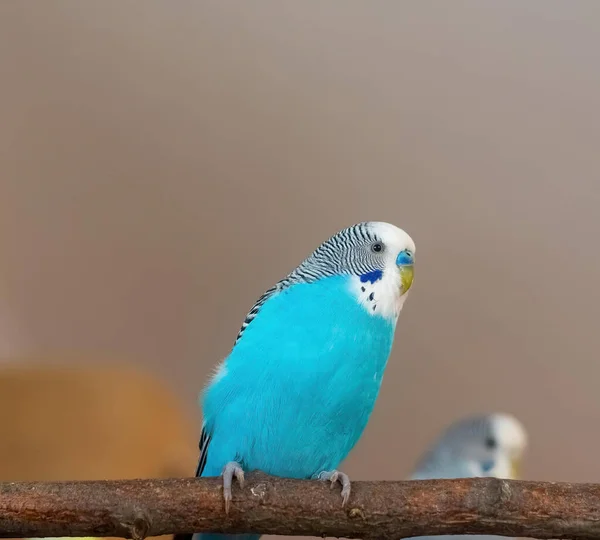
[299, 386]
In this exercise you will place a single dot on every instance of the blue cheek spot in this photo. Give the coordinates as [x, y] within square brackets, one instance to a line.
[372, 276]
[487, 466]
[404, 257]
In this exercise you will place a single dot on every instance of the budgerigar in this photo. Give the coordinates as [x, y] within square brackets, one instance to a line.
[298, 387]
[486, 445]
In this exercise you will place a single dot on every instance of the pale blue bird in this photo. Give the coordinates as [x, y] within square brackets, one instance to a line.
[296, 391]
[489, 445]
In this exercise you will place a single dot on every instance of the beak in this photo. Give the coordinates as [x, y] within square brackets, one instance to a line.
[407, 274]
[515, 468]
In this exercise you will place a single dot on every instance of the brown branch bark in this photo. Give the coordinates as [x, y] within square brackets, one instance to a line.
[139, 508]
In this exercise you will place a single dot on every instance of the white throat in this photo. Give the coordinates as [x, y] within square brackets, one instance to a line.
[381, 298]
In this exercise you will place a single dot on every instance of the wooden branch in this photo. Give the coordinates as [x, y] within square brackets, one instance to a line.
[140, 508]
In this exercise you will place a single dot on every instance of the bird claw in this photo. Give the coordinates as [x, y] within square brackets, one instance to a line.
[337, 477]
[231, 470]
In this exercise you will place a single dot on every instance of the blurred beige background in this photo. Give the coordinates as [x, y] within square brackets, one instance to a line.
[162, 163]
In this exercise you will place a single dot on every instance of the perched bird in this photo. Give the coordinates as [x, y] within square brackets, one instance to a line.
[487, 445]
[298, 387]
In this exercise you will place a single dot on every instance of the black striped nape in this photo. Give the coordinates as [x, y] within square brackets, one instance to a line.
[342, 254]
[476, 428]
[460, 437]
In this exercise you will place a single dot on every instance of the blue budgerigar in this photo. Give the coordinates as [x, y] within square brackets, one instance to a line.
[489, 445]
[297, 389]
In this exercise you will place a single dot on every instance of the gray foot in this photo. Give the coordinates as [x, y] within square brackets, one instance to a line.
[335, 477]
[231, 470]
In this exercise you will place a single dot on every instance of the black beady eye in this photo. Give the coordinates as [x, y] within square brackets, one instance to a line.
[377, 247]
[490, 443]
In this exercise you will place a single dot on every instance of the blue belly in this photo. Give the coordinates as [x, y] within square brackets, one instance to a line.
[300, 384]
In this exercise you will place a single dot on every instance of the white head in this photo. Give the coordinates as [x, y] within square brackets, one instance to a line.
[511, 440]
[377, 257]
[489, 445]
[383, 290]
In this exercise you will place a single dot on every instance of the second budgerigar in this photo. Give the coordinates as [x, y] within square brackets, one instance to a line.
[488, 445]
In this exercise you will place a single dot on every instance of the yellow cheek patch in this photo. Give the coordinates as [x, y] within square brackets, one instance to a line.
[515, 469]
[407, 274]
